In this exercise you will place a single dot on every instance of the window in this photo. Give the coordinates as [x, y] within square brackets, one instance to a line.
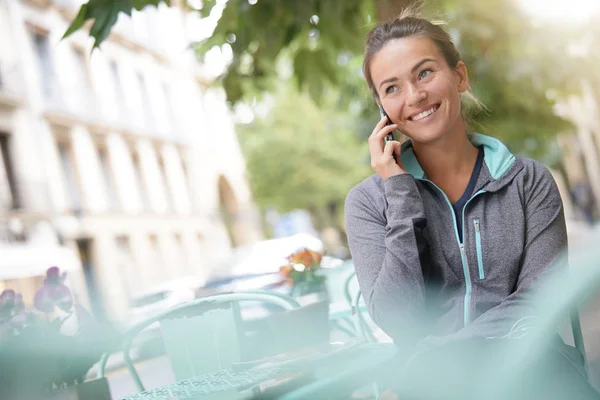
[83, 84]
[168, 193]
[118, 89]
[83, 75]
[109, 181]
[146, 107]
[9, 195]
[41, 46]
[181, 254]
[126, 265]
[140, 182]
[70, 175]
[187, 182]
[156, 254]
[170, 110]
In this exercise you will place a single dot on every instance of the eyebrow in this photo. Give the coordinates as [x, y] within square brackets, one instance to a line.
[412, 70]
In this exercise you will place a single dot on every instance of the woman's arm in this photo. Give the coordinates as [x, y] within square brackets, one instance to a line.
[389, 255]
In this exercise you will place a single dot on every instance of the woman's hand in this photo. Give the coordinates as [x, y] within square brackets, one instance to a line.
[382, 157]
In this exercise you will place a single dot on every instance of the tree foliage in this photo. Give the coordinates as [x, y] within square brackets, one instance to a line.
[512, 63]
[302, 155]
[105, 14]
[512, 66]
[313, 143]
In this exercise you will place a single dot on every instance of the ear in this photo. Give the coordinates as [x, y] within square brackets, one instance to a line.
[462, 77]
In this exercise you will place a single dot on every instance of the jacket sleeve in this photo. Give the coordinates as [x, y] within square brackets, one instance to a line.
[388, 254]
[545, 240]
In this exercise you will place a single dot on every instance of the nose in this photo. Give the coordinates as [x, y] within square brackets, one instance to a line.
[415, 96]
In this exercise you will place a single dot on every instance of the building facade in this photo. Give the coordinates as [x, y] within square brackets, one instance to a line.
[123, 155]
[580, 149]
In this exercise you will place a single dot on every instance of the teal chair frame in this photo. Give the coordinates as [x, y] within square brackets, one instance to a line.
[578, 337]
[278, 299]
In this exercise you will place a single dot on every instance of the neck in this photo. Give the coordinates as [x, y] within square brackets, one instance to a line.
[450, 156]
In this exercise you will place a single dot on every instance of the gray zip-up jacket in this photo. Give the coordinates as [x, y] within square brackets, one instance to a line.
[412, 267]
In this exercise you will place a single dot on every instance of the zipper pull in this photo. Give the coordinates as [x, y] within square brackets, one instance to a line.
[463, 254]
[477, 225]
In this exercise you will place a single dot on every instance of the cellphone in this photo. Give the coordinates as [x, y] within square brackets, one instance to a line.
[389, 136]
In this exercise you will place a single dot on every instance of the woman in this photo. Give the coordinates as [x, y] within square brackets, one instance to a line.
[448, 240]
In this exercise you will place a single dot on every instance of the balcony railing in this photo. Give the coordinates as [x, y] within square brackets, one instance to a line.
[71, 102]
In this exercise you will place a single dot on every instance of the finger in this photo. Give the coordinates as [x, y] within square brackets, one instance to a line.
[384, 131]
[379, 125]
[376, 141]
[390, 148]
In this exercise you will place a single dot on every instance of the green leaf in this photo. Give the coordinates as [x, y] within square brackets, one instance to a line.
[140, 4]
[78, 22]
[105, 19]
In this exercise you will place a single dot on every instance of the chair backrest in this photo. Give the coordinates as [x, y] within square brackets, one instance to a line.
[351, 288]
[336, 279]
[199, 336]
[201, 341]
[304, 327]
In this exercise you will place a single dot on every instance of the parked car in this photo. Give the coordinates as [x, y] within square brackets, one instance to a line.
[265, 257]
[256, 267]
[162, 297]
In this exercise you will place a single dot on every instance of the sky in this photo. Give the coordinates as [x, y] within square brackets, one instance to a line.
[567, 11]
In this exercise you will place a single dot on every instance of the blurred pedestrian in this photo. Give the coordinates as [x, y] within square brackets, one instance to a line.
[583, 198]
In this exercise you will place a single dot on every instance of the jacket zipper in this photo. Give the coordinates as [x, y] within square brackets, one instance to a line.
[478, 247]
[463, 254]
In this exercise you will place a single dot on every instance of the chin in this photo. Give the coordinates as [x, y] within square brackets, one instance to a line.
[426, 137]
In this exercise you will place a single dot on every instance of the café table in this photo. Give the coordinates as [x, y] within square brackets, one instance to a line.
[324, 375]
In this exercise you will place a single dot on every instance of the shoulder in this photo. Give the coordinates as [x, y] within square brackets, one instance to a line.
[534, 173]
[536, 180]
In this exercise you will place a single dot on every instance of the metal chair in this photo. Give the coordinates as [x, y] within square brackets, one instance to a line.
[578, 337]
[199, 336]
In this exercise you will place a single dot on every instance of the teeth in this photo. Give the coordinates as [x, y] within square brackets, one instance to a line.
[424, 114]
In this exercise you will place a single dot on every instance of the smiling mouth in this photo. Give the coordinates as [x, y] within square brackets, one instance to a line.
[424, 114]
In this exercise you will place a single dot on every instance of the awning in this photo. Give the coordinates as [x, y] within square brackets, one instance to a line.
[19, 261]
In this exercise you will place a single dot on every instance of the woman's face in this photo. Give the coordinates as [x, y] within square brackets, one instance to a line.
[417, 88]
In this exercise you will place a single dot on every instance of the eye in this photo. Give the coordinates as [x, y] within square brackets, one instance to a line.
[391, 89]
[425, 73]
